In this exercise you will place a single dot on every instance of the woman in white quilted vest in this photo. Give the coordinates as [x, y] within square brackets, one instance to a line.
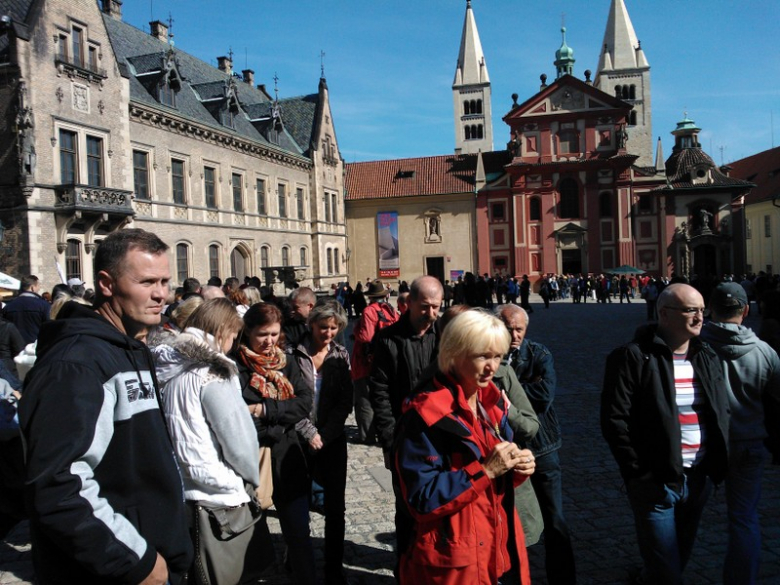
[215, 444]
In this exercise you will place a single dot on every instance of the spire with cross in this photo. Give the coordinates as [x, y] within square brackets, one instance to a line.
[322, 64]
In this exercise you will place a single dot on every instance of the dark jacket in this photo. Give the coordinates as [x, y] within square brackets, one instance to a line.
[535, 368]
[336, 392]
[400, 358]
[28, 312]
[11, 344]
[102, 485]
[277, 430]
[639, 416]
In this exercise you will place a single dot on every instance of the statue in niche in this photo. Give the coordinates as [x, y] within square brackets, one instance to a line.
[704, 219]
[433, 228]
[26, 142]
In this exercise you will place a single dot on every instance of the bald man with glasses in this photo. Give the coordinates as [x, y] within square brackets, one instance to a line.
[664, 414]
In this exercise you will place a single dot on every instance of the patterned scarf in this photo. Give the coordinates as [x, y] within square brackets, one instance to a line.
[267, 377]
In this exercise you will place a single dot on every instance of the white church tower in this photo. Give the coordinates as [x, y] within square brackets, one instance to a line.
[624, 72]
[471, 93]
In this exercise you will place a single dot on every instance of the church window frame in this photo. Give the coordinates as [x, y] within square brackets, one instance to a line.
[569, 199]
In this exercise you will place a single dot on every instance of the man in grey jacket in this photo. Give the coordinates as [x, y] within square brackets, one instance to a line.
[752, 369]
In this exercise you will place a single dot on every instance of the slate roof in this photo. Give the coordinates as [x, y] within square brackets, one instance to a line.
[201, 81]
[762, 169]
[17, 10]
[682, 162]
[412, 177]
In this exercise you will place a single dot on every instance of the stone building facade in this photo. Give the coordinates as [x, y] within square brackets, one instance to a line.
[106, 126]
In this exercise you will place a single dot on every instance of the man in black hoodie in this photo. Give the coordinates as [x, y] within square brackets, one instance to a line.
[103, 489]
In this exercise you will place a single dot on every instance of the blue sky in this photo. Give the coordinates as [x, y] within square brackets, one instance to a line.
[390, 64]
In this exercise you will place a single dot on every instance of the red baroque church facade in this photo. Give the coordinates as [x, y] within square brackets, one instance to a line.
[567, 201]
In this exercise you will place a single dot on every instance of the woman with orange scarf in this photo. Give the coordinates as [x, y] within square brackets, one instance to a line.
[278, 399]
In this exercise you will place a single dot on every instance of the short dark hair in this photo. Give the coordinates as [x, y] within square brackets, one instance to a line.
[27, 282]
[191, 285]
[112, 250]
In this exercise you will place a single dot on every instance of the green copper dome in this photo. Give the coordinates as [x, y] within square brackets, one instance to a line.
[564, 57]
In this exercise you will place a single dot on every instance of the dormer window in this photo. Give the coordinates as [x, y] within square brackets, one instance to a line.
[170, 81]
[167, 95]
[77, 54]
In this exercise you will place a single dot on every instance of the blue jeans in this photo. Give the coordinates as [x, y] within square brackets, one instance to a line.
[743, 491]
[558, 553]
[666, 523]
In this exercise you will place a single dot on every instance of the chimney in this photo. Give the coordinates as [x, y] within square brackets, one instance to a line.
[225, 64]
[113, 8]
[249, 76]
[159, 30]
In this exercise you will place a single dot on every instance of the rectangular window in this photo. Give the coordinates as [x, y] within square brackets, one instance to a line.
[63, 53]
[327, 207]
[299, 201]
[303, 257]
[209, 187]
[141, 174]
[568, 142]
[261, 206]
[336, 260]
[76, 42]
[645, 203]
[748, 232]
[767, 226]
[69, 158]
[182, 262]
[94, 161]
[92, 59]
[497, 211]
[167, 96]
[238, 203]
[177, 181]
[285, 256]
[282, 200]
[333, 209]
[264, 257]
[330, 260]
[73, 259]
[214, 261]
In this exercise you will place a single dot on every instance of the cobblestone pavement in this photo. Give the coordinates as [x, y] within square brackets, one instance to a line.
[580, 337]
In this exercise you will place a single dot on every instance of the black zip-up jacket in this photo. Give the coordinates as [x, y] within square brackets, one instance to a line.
[102, 485]
[400, 358]
[639, 417]
[535, 368]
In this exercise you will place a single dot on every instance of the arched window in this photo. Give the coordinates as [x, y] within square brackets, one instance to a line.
[479, 131]
[239, 265]
[336, 261]
[303, 257]
[182, 262]
[330, 260]
[618, 91]
[285, 256]
[473, 105]
[214, 260]
[468, 132]
[265, 253]
[605, 204]
[570, 199]
[479, 106]
[535, 209]
[632, 118]
[632, 92]
[73, 260]
[466, 107]
[474, 131]
[625, 92]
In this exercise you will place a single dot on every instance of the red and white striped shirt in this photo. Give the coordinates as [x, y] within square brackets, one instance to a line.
[689, 399]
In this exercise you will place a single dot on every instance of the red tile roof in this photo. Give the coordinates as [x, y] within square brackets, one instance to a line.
[410, 177]
[763, 169]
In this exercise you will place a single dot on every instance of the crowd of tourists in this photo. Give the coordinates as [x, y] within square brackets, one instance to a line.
[159, 428]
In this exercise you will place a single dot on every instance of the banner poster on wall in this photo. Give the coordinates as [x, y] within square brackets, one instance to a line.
[387, 240]
[456, 274]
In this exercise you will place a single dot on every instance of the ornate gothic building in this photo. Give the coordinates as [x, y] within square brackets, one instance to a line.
[103, 126]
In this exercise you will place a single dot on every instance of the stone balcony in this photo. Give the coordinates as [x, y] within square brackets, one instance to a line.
[83, 198]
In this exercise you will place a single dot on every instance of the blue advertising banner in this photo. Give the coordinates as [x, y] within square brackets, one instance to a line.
[387, 240]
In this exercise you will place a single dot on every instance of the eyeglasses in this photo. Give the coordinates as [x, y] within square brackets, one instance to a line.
[690, 311]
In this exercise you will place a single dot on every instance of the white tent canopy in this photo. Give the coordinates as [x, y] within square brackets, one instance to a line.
[9, 282]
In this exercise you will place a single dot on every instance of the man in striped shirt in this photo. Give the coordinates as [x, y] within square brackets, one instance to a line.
[664, 413]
